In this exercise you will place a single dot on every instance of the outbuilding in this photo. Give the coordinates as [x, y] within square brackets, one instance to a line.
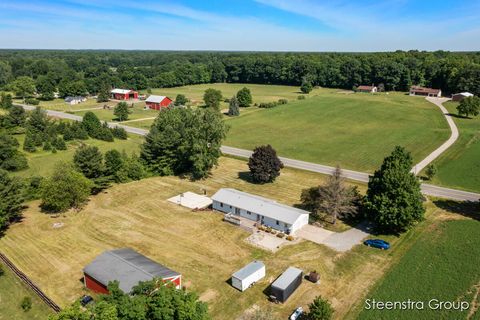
[157, 102]
[75, 100]
[369, 89]
[286, 284]
[128, 267]
[427, 92]
[460, 96]
[262, 210]
[248, 275]
[124, 94]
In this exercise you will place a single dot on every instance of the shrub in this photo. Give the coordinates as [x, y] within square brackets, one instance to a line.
[320, 309]
[268, 105]
[282, 101]
[301, 97]
[290, 238]
[47, 146]
[2, 272]
[26, 303]
[119, 133]
[59, 144]
[306, 87]
[32, 101]
[281, 235]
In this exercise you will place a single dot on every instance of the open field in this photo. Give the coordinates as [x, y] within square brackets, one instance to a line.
[197, 244]
[60, 105]
[42, 162]
[12, 291]
[355, 131]
[459, 166]
[442, 264]
[137, 112]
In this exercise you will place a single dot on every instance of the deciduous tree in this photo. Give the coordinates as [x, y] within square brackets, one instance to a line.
[212, 98]
[264, 164]
[431, 171]
[244, 97]
[469, 106]
[23, 86]
[181, 100]
[306, 86]
[394, 200]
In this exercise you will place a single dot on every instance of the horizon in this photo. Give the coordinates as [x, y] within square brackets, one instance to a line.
[241, 26]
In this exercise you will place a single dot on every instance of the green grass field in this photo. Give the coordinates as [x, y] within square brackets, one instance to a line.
[42, 162]
[355, 131]
[60, 105]
[443, 264]
[12, 291]
[459, 166]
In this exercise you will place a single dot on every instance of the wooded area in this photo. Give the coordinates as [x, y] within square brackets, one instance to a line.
[79, 72]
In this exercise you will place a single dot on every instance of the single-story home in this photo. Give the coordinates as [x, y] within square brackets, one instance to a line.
[75, 100]
[248, 275]
[124, 94]
[369, 89]
[428, 92]
[128, 267]
[265, 211]
[460, 96]
[158, 102]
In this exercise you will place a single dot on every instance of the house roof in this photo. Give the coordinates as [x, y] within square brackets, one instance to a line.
[260, 205]
[286, 278]
[248, 270]
[369, 88]
[126, 266]
[465, 94]
[155, 99]
[70, 98]
[424, 90]
[121, 91]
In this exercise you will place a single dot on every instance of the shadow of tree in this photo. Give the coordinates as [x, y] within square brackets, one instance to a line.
[468, 209]
[455, 115]
[246, 176]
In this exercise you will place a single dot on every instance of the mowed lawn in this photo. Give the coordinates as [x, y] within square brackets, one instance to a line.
[41, 163]
[443, 264]
[199, 245]
[459, 166]
[61, 105]
[12, 292]
[355, 131]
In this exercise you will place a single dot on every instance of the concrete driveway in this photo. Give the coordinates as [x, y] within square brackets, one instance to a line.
[339, 241]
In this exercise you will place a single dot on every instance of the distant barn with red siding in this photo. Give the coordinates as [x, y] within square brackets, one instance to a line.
[124, 94]
[158, 102]
[128, 267]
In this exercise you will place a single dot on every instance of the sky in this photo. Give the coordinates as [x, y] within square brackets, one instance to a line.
[236, 25]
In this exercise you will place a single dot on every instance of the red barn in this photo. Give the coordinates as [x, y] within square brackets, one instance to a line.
[128, 267]
[124, 94]
[158, 102]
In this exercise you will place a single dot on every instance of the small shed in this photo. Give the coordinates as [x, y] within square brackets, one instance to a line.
[124, 94]
[460, 96]
[75, 100]
[369, 89]
[286, 284]
[248, 275]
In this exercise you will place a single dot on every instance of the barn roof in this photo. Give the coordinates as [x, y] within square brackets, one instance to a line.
[126, 266]
[465, 94]
[121, 91]
[248, 270]
[155, 99]
[286, 278]
[363, 87]
[260, 205]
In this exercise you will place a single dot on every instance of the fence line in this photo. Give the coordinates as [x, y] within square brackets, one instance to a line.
[49, 302]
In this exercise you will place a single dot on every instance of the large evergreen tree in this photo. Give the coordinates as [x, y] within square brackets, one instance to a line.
[11, 199]
[10, 158]
[121, 111]
[319, 309]
[89, 161]
[91, 124]
[103, 93]
[233, 107]
[264, 164]
[394, 199]
[184, 141]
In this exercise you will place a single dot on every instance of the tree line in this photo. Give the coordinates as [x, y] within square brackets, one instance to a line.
[81, 72]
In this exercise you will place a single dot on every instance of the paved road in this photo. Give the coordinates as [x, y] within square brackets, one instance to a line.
[427, 189]
[453, 137]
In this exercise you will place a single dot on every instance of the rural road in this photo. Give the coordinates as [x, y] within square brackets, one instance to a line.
[453, 137]
[427, 189]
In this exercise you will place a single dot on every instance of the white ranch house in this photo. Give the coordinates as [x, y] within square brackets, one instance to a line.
[265, 211]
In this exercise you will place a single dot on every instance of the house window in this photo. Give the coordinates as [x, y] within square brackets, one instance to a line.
[278, 223]
[237, 211]
[221, 204]
[286, 225]
[249, 213]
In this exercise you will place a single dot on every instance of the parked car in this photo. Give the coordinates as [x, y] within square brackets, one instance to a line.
[296, 314]
[86, 300]
[377, 243]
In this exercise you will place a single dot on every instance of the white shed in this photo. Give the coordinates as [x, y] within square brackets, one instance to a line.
[248, 275]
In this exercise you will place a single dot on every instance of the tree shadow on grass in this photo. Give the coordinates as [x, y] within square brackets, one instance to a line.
[246, 176]
[454, 115]
[468, 209]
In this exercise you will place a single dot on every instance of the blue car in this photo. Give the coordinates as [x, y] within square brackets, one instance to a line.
[377, 243]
